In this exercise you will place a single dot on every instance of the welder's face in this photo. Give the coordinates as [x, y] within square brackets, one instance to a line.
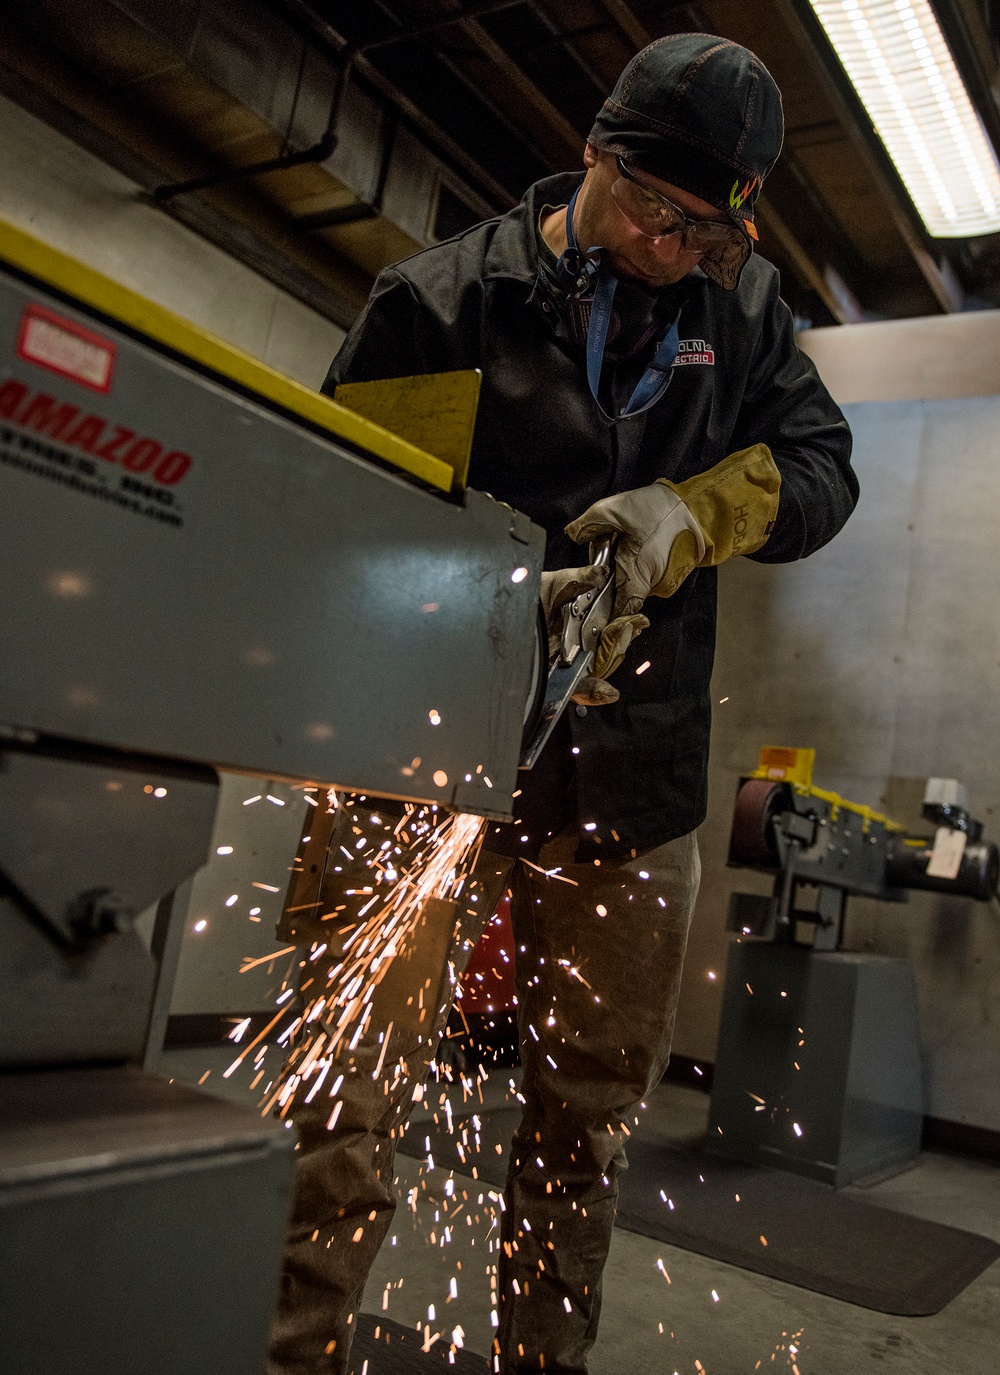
[656, 262]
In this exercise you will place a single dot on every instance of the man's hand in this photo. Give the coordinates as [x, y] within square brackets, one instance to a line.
[563, 586]
[668, 529]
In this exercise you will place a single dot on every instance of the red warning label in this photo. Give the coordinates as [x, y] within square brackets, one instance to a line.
[67, 348]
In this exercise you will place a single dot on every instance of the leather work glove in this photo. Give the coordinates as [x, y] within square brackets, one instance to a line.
[668, 529]
[558, 589]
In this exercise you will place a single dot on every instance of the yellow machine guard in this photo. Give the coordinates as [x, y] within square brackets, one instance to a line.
[786, 764]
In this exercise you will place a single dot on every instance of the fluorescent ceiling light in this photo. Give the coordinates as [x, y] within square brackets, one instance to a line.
[901, 67]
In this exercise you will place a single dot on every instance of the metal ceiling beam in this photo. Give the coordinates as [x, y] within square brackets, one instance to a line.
[633, 28]
[470, 11]
[450, 150]
[790, 187]
[560, 140]
[805, 268]
[570, 38]
[515, 76]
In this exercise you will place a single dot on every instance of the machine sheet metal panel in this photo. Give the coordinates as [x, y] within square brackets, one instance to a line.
[140, 1226]
[278, 606]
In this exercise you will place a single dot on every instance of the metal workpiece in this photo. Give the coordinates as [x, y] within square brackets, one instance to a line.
[186, 573]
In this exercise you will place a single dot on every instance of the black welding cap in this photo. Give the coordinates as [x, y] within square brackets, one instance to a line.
[700, 112]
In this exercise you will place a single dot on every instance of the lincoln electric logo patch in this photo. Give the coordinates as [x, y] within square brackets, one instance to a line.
[694, 351]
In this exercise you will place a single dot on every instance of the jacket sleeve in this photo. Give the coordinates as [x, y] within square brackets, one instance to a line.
[787, 407]
[396, 335]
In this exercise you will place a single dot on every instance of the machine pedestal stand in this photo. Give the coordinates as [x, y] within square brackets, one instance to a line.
[826, 1045]
[141, 1226]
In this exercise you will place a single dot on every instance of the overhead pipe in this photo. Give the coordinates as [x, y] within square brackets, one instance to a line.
[319, 152]
[326, 145]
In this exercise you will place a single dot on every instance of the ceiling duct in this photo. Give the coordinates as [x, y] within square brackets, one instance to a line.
[261, 116]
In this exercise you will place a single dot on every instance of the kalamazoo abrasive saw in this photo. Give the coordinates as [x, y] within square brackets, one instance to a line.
[205, 566]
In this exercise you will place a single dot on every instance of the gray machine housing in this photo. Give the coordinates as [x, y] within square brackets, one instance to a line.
[286, 607]
[818, 1064]
[191, 579]
[141, 1225]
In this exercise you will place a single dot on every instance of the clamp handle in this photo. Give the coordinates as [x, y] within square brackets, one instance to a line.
[587, 615]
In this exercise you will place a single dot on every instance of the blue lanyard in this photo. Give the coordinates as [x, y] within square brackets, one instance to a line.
[658, 376]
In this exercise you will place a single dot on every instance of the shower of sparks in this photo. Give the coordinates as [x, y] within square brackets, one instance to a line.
[433, 858]
[324, 1006]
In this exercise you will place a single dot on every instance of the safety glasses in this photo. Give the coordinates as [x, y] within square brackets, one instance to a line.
[655, 216]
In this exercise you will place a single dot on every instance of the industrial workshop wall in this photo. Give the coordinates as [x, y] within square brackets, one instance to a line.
[71, 200]
[883, 652]
[60, 193]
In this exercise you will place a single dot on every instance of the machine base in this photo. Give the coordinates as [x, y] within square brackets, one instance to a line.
[818, 1067]
[144, 1220]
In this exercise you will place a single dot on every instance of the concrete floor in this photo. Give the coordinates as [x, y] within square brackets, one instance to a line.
[649, 1327]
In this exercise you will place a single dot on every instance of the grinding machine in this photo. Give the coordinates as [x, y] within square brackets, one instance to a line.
[818, 1065]
[204, 566]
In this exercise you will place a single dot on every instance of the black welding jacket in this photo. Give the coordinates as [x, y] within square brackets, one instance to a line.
[486, 300]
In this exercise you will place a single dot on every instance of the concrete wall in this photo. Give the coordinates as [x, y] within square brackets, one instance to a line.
[55, 190]
[883, 652]
[934, 358]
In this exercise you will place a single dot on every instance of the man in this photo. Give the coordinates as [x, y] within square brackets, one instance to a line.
[640, 380]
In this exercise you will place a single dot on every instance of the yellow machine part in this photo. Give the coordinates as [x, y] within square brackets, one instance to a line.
[787, 764]
[435, 411]
[411, 412]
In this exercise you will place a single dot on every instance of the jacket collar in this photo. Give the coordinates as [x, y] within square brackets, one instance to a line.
[513, 252]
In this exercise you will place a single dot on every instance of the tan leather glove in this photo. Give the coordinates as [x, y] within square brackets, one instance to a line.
[668, 529]
[561, 587]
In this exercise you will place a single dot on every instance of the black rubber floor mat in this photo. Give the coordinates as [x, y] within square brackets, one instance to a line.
[763, 1220]
[384, 1347]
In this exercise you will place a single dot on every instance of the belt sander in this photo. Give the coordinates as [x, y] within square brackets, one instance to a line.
[817, 842]
[818, 1067]
[204, 566]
